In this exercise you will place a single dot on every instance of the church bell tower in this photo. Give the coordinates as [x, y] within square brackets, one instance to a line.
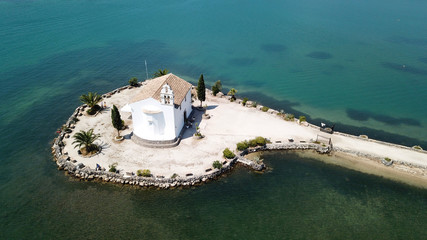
[166, 95]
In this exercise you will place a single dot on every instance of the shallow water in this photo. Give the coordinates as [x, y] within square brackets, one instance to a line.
[359, 64]
[297, 197]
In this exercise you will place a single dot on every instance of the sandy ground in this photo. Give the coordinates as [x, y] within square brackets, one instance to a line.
[229, 123]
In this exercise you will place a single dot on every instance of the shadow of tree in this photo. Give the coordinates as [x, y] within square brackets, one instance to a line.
[104, 146]
[195, 118]
[128, 136]
[212, 107]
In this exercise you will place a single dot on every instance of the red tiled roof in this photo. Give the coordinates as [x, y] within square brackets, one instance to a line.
[152, 89]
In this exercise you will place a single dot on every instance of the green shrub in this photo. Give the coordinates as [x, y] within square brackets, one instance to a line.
[174, 175]
[241, 146]
[146, 173]
[133, 82]
[143, 173]
[245, 99]
[228, 154]
[254, 104]
[387, 159]
[302, 119]
[265, 109]
[252, 143]
[289, 117]
[260, 141]
[113, 167]
[216, 88]
[217, 164]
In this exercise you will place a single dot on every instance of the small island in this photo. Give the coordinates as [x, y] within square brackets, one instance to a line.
[165, 133]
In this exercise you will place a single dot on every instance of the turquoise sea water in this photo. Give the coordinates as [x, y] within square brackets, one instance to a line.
[359, 64]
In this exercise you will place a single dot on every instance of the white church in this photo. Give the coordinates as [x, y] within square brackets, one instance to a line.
[160, 110]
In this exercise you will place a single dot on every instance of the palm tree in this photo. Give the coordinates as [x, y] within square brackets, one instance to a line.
[92, 100]
[160, 73]
[86, 139]
[232, 92]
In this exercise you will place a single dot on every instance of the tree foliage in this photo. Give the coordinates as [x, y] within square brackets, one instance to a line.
[245, 100]
[264, 109]
[116, 120]
[133, 82]
[217, 87]
[201, 90]
[227, 153]
[241, 146]
[113, 167]
[86, 140]
[143, 173]
[217, 164]
[232, 93]
[160, 73]
[91, 99]
[261, 141]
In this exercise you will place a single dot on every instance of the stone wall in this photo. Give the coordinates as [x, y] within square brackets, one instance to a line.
[281, 146]
[86, 173]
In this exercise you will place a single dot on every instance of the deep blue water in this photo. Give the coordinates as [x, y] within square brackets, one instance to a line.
[359, 64]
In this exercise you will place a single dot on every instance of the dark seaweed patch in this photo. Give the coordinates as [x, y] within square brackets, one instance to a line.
[381, 135]
[366, 115]
[241, 62]
[374, 133]
[319, 55]
[404, 68]
[273, 47]
[333, 69]
[358, 115]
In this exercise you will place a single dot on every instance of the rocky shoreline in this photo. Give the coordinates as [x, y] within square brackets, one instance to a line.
[83, 172]
[80, 171]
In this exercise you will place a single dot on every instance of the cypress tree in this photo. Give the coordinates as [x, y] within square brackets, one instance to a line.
[201, 90]
[116, 120]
